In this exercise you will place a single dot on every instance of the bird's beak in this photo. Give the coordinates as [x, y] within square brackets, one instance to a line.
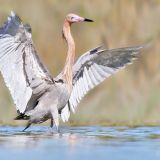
[88, 20]
[80, 19]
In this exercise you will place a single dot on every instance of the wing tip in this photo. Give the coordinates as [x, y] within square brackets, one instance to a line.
[139, 47]
[9, 18]
[11, 25]
[95, 50]
[13, 13]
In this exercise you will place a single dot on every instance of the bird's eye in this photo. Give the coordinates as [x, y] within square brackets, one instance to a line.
[72, 18]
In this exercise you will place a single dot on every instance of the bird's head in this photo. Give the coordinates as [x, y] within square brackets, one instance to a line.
[73, 18]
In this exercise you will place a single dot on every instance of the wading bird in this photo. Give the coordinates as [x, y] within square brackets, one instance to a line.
[37, 95]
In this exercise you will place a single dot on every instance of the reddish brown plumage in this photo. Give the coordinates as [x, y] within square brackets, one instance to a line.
[67, 72]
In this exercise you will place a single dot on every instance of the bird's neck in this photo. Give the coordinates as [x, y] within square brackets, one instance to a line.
[67, 72]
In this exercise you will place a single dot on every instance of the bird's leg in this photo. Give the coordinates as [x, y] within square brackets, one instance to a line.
[56, 122]
[55, 118]
[52, 123]
[28, 125]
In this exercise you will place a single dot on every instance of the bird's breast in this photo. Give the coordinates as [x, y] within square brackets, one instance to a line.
[61, 92]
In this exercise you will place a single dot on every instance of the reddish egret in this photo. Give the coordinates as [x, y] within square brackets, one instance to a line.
[37, 95]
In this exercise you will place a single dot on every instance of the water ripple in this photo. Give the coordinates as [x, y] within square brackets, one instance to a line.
[113, 143]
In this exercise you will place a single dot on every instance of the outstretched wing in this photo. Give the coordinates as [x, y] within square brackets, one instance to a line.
[94, 67]
[23, 72]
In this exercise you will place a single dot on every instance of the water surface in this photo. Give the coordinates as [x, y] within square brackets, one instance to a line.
[90, 143]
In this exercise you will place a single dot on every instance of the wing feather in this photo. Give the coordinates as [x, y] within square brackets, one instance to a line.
[22, 70]
[94, 67]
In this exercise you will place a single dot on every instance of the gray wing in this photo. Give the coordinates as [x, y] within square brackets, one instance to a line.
[94, 67]
[22, 70]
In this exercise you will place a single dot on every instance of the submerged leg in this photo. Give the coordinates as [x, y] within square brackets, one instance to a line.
[28, 125]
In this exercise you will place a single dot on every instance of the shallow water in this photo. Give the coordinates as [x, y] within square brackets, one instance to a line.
[90, 143]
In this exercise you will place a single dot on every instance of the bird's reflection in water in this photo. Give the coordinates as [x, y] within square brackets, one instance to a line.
[77, 142]
[41, 136]
[31, 139]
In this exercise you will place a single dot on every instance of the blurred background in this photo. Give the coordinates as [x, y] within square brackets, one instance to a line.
[130, 97]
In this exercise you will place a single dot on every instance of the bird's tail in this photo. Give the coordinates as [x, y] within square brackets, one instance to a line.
[22, 117]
